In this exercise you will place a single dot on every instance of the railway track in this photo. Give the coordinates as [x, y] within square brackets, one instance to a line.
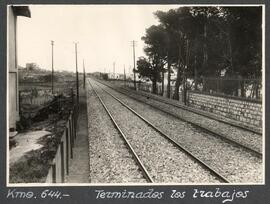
[255, 151]
[130, 148]
[198, 112]
[205, 166]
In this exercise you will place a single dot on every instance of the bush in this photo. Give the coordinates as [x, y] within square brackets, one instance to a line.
[47, 78]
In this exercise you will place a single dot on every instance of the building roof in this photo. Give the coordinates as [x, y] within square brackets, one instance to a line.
[21, 11]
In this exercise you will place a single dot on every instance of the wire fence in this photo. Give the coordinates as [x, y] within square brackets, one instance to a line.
[147, 87]
[247, 88]
[250, 88]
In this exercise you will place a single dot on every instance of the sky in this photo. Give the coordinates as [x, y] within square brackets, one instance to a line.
[103, 32]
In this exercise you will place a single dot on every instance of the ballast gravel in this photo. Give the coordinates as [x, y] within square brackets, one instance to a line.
[235, 163]
[110, 160]
[162, 159]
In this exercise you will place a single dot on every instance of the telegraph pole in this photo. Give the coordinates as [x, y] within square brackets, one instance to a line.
[114, 70]
[77, 74]
[124, 75]
[83, 75]
[52, 43]
[129, 70]
[133, 45]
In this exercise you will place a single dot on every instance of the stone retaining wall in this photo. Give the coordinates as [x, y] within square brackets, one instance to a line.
[245, 111]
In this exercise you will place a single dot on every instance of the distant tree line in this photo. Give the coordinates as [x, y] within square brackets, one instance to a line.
[196, 42]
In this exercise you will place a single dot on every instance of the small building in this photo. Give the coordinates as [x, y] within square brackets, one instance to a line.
[31, 66]
[12, 66]
[130, 76]
[97, 74]
[116, 76]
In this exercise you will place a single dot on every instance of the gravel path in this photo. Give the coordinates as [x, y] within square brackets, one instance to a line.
[110, 160]
[247, 138]
[163, 160]
[233, 162]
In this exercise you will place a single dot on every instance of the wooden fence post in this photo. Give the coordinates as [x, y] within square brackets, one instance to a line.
[54, 173]
[67, 150]
[71, 135]
[62, 162]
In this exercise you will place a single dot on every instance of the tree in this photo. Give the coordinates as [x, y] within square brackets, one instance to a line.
[47, 78]
[149, 69]
[156, 40]
[168, 22]
[244, 27]
[180, 27]
[207, 42]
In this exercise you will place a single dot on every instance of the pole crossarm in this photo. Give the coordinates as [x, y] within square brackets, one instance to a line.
[77, 74]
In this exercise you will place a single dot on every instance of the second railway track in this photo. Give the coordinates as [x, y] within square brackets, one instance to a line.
[250, 141]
